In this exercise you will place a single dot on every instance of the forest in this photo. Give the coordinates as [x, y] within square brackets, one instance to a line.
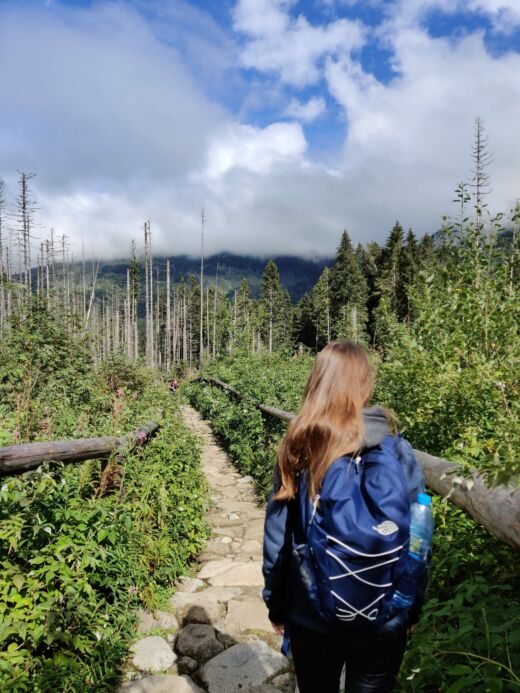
[81, 546]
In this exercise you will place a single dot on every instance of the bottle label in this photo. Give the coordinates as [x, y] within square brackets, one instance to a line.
[416, 545]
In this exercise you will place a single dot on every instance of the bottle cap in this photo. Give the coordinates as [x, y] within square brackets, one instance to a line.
[424, 499]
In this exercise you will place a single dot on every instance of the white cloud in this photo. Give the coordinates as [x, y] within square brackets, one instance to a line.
[503, 14]
[408, 142]
[98, 97]
[254, 149]
[290, 47]
[115, 113]
[307, 112]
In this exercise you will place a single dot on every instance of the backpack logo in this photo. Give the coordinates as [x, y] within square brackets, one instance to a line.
[386, 528]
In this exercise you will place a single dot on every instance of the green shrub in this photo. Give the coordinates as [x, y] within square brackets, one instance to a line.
[83, 545]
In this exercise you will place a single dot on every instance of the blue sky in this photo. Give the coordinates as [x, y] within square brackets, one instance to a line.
[287, 121]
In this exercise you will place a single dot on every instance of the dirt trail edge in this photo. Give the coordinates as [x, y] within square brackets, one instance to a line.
[218, 637]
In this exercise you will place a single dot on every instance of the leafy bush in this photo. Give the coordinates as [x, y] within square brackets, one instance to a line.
[48, 386]
[452, 372]
[82, 546]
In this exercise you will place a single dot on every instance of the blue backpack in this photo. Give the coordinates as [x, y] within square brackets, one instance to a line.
[350, 544]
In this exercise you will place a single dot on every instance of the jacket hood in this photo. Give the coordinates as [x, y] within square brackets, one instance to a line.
[376, 426]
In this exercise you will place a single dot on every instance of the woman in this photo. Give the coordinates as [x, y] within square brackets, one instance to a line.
[334, 432]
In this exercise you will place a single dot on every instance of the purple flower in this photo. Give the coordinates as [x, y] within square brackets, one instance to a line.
[141, 436]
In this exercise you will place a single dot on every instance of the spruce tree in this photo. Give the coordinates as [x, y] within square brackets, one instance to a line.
[321, 310]
[369, 259]
[426, 254]
[408, 267]
[276, 309]
[348, 293]
[244, 323]
[304, 328]
[390, 280]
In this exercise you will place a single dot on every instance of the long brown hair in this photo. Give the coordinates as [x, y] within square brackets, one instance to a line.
[330, 422]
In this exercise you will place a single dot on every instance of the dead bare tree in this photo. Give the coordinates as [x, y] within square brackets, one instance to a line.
[201, 340]
[149, 349]
[168, 326]
[481, 160]
[25, 211]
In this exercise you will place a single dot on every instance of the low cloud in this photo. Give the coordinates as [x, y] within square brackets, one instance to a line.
[124, 121]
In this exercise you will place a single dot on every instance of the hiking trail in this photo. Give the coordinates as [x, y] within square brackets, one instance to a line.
[219, 638]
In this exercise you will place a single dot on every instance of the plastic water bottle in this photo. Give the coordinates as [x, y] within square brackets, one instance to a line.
[421, 527]
[421, 533]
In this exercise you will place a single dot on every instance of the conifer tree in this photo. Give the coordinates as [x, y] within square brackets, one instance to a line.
[426, 254]
[276, 309]
[348, 293]
[407, 273]
[390, 281]
[321, 310]
[369, 259]
[244, 323]
[304, 329]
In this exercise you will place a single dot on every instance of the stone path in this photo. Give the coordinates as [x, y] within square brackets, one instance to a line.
[218, 635]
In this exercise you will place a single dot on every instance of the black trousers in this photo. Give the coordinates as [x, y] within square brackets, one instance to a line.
[372, 661]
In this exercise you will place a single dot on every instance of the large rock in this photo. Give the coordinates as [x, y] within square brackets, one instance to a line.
[223, 480]
[189, 584]
[240, 574]
[204, 612]
[159, 620]
[186, 665]
[166, 620]
[255, 530]
[199, 642]
[217, 548]
[287, 682]
[232, 530]
[251, 548]
[220, 594]
[161, 684]
[242, 667]
[250, 614]
[215, 567]
[146, 621]
[207, 606]
[152, 654]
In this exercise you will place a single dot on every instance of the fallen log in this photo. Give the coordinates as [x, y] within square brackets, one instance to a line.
[16, 459]
[272, 411]
[497, 509]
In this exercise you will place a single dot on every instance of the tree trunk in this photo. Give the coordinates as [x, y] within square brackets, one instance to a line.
[17, 459]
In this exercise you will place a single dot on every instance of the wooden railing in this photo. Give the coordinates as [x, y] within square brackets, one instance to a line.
[497, 509]
[17, 459]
